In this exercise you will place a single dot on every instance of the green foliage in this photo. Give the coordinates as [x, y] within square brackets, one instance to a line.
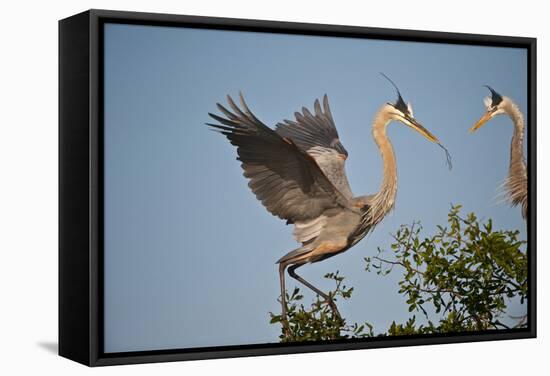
[318, 321]
[460, 279]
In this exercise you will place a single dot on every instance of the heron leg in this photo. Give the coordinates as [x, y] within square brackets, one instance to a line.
[284, 318]
[328, 299]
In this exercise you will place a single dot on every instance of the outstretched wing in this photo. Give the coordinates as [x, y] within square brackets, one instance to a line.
[316, 135]
[287, 181]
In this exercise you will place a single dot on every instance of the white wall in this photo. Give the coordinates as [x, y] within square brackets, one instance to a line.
[28, 185]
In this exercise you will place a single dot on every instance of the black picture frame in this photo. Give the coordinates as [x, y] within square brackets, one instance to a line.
[80, 182]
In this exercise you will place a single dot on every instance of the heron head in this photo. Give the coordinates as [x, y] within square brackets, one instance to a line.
[494, 106]
[403, 112]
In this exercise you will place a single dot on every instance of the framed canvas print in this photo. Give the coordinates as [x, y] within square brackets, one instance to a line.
[238, 187]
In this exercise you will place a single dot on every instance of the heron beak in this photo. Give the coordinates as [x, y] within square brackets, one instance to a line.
[484, 119]
[426, 133]
[411, 122]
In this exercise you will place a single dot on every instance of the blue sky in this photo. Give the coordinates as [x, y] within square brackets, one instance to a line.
[190, 253]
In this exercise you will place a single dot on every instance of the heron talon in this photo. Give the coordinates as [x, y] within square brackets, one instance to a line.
[334, 309]
[286, 327]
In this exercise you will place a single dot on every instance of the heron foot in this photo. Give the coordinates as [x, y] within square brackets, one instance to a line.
[284, 317]
[286, 327]
[333, 307]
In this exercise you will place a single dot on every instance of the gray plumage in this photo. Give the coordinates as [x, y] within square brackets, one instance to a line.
[285, 179]
[297, 171]
[316, 135]
[516, 182]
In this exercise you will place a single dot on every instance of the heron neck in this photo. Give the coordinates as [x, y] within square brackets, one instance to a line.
[517, 174]
[383, 201]
[516, 147]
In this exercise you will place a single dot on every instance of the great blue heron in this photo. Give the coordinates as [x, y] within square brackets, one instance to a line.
[516, 182]
[297, 172]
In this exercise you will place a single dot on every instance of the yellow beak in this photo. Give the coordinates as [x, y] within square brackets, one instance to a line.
[484, 119]
[411, 122]
[426, 133]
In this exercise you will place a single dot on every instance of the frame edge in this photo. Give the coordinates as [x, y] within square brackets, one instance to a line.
[87, 349]
[74, 161]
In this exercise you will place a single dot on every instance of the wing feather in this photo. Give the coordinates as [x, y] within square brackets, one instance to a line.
[316, 135]
[287, 180]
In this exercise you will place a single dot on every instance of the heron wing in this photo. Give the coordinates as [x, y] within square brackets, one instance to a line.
[287, 181]
[316, 134]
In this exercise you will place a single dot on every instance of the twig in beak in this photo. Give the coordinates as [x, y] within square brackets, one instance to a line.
[449, 161]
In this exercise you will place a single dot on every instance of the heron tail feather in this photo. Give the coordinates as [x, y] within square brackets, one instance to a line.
[295, 253]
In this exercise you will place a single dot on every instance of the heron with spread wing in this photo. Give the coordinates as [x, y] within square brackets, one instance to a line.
[516, 182]
[298, 173]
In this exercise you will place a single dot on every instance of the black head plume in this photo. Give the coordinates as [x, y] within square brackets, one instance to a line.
[399, 103]
[495, 97]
